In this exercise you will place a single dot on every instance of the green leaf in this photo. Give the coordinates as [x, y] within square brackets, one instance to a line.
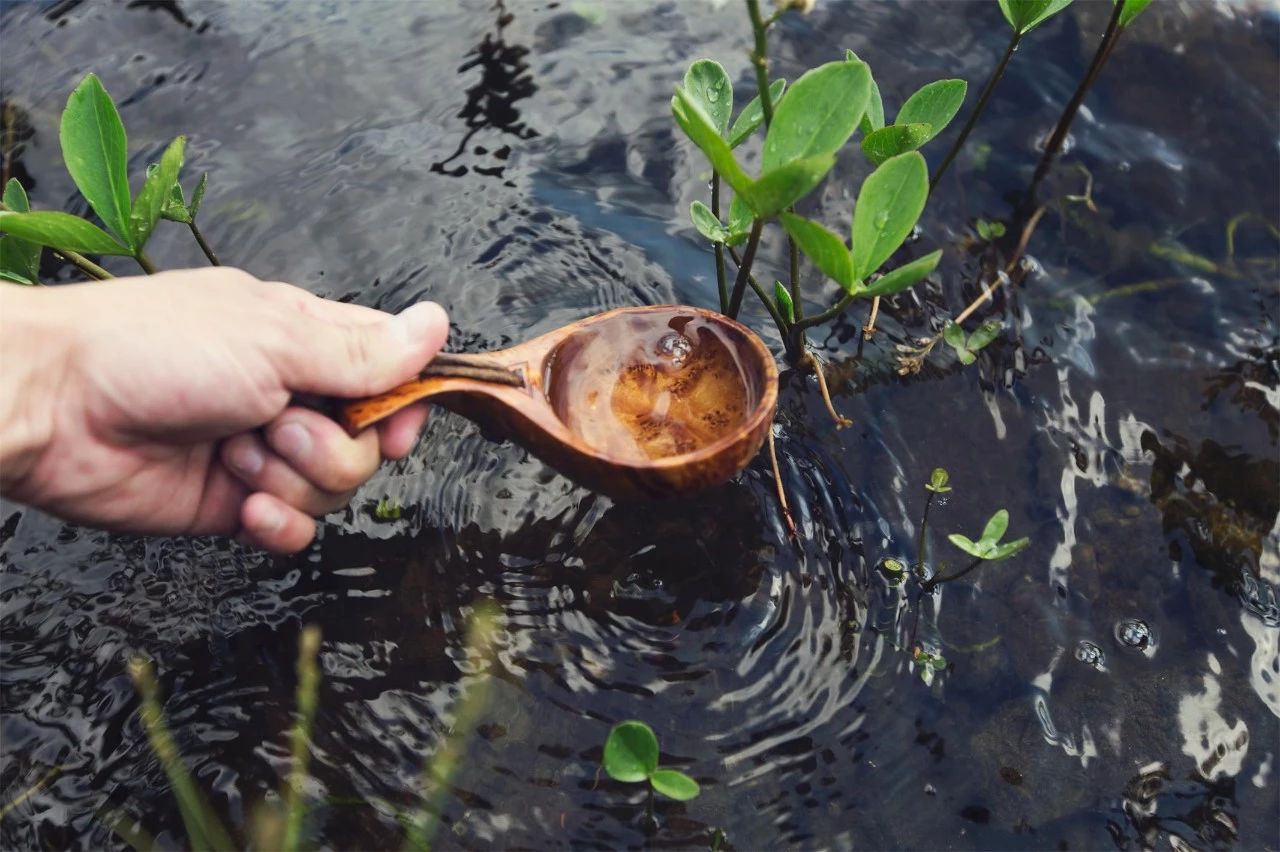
[708, 84]
[198, 195]
[953, 334]
[818, 115]
[1132, 9]
[934, 104]
[983, 335]
[968, 546]
[907, 275]
[827, 251]
[740, 219]
[966, 357]
[631, 752]
[989, 230]
[18, 257]
[707, 223]
[674, 784]
[175, 206]
[939, 664]
[700, 129]
[889, 203]
[12, 277]
[880, 145]
[94, 149]
[939, 481]
[1009, 548]
[787, 306]
[786, 185]
[752, 115]
[1026, 15]
[995, 528]
[61, 231]
[156, 191]
[873, 118]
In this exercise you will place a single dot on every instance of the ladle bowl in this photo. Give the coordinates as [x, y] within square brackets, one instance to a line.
[641, 402]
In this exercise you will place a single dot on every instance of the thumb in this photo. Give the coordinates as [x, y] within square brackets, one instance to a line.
[364, 358]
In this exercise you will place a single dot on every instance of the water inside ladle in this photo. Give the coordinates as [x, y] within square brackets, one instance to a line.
[644, 386]
[646, 402]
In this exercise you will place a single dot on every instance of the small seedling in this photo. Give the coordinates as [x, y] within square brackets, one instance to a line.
[939, 481]
[631, 756]
[967, 347]
[988, 546]
[989, 230]
[930, 664]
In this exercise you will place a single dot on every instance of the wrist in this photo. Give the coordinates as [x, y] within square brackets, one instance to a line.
[34, 349]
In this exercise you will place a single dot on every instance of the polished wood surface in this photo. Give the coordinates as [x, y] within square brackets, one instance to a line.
[518, 410]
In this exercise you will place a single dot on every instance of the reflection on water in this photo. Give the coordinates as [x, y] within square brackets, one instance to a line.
[1116, 685]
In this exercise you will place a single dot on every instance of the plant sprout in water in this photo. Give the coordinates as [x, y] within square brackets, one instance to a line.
[631, 756]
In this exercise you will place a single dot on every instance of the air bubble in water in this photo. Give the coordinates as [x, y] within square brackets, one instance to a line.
[1090, 654]
[1134, 633]
[674, 348]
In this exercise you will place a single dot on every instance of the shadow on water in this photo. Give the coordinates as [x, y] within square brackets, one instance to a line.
[1116, 685]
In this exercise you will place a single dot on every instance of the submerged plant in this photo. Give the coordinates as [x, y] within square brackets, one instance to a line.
[631, 756]
[95, 151]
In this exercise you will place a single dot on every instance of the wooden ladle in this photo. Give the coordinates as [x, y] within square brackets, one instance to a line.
[634, 402]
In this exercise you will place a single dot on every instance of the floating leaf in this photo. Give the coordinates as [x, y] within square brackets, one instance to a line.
[61, 231]
[953, 334]
[785, 185]
[707, 223]
[983, 335]
[939, 481]
[907, 275]
[939, 664]
[1132, 9]
[700, 129]
[19, 258]
[818, 115]
[827, 251]
[708, 84]
[94, 149]
[873, 118]
[989, 230]
[631, 752]
[880, 145]
[934, 104]
[889, 203]
[785, 304]
[995, 528]
[674, 784]
[1026, 15]
[156, 191]
[752, 115]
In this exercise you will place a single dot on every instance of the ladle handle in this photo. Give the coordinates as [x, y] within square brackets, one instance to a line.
[357, 415]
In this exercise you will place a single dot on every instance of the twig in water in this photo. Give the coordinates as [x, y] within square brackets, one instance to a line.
[813, 363]
[869, 330]
[782, 494]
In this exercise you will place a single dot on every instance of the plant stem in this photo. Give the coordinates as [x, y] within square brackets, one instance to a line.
[84, 264]
[744, 269]
[1073, 106]
[308, 686]
[930, 585]
[721, 284]
[769, 305]
[813, 364]
[977, 110]
[760, 59]
[829, 314]
[796, 299]
[869, 330]
[204, 246]
[782, 494]
[145, 262]
[924, 522]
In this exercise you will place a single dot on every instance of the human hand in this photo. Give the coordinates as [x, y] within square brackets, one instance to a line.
[161, 404]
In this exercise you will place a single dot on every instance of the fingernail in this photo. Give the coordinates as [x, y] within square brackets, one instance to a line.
[270, 519]
[293, 441]
[246, 458]
[419, 321]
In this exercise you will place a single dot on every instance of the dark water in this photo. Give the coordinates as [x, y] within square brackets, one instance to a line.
[519, 166]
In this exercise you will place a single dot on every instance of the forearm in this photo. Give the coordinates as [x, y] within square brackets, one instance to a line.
[33, 355]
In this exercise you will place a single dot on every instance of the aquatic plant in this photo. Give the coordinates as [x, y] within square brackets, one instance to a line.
[631, 756]
[806, 125]
[95, 151]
